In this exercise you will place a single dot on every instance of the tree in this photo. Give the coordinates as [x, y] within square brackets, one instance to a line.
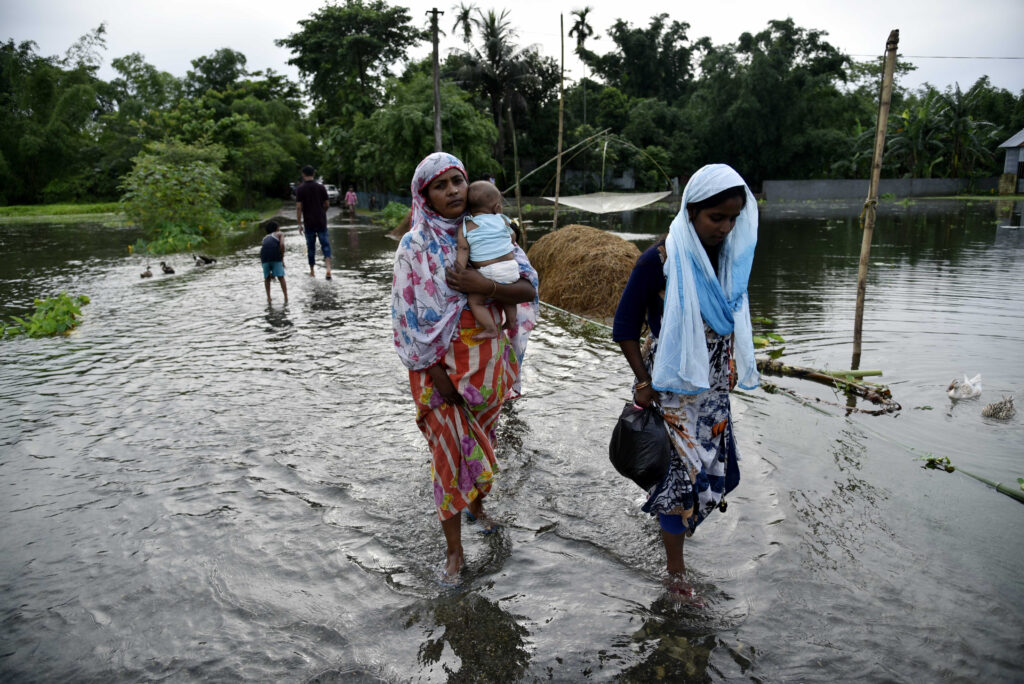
[501, 71]
[651, 62]
[173, 193]
[257, 122]
[464, 21]
[346, 52]
[581, 29]
[938, 135]
[218, 71]
[386, 146]
[766, 104]
[48, 113]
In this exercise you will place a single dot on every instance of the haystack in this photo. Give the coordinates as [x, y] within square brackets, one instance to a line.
[583, 269]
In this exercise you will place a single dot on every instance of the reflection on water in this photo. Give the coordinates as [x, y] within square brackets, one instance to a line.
[469, 638]
[199, 486]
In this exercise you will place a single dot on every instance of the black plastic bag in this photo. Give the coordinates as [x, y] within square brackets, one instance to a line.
[640, 448]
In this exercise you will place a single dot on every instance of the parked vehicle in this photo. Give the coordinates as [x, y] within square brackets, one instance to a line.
[333, 195]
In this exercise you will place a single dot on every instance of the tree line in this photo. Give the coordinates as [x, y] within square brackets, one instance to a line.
[782, 103]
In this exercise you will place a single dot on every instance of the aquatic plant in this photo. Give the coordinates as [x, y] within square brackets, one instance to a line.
[54, 316]
[764, 338]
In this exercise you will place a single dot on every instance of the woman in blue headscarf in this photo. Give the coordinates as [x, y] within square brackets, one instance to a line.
[691, 288]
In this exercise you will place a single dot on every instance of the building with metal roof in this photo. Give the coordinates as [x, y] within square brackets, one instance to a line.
[1014, 164]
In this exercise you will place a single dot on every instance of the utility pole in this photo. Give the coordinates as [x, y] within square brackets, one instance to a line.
[561, 98]
[437, 81]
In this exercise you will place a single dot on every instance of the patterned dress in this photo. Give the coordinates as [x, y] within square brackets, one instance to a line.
[462, 438]
[431, 326]
[706, 466]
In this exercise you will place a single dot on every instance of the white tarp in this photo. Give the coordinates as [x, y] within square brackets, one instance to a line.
[606, 202]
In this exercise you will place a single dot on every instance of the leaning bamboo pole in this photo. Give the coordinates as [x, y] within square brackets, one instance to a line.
[872, 201]
[515, 166]
[561, 110]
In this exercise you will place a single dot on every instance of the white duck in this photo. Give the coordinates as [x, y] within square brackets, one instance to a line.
[968, 388]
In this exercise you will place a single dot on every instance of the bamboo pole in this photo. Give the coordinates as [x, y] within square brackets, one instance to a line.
[515, 166]
[998, 486]
[878, 394]
[872, 202]
[943, 463]
[560, 155]
[561, 105]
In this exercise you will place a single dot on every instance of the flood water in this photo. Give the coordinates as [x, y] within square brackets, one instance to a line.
[196, 486]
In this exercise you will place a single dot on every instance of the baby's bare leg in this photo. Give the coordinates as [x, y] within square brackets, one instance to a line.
[510, 316]
[483, 317]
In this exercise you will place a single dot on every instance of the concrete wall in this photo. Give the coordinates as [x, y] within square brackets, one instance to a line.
[858, 189]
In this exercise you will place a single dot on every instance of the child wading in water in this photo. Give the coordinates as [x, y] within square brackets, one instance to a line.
[485, 241]
[272, 258]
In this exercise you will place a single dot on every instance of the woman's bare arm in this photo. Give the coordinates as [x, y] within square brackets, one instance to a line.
[646, 395]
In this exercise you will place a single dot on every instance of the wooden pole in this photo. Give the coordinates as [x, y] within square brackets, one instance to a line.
[872, 202]
[437, 82]
[561, 102]
[515, 166]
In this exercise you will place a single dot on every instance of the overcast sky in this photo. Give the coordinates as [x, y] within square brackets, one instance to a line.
[171, 33]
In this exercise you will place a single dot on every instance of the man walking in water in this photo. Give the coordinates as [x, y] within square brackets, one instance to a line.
[311, 202]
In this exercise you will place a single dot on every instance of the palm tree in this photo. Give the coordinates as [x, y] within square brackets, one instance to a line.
[495, 67]
[463, 19]
[968, 140]
[580, 28]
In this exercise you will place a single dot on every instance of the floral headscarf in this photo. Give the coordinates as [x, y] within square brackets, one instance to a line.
[424, 310]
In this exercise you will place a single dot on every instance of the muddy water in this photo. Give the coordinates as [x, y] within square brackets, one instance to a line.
[198, 486]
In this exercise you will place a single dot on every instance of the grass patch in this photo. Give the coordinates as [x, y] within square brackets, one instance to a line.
[24, 210]
[989, 198]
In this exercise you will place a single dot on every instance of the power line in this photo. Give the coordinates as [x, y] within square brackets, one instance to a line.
[939, 57]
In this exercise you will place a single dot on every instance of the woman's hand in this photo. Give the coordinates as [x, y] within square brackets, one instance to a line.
[467, 280]
[444, 385]
[645, 396]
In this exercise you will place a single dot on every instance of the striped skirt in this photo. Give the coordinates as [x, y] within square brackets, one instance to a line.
[462, 439]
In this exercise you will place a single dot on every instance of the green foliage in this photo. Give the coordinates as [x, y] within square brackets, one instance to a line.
[386, 146]
[393, 214]
[509, 78]
[779, 103]
[653, 62]
[173, 193]
[219, 72]
[345, 51]
[47, 118]
[54, 316]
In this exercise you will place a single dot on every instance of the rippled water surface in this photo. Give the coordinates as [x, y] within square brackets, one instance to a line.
[196, 486]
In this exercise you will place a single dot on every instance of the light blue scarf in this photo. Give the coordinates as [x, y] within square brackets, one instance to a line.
[693, 294]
